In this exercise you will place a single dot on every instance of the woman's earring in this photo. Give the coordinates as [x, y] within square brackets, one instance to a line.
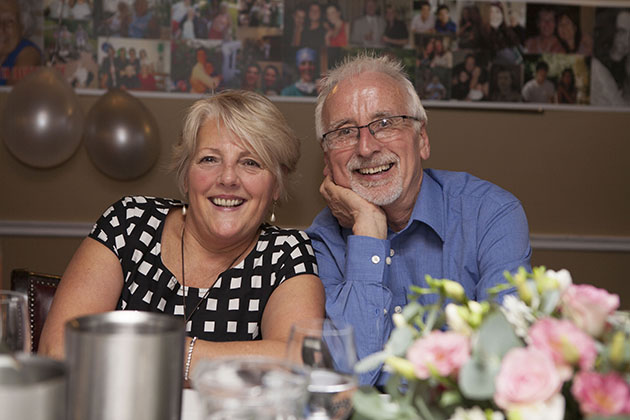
[272, 219]
[184, 210]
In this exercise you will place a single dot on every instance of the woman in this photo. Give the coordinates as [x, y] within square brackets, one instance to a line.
[570, 36]
[337, 31]
[566, 90]
[271, 77]
[251, 78]
[237, 282]
[501, 39]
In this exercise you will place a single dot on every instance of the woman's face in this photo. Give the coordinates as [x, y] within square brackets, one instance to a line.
[566, 28]
[621, 42]
[314, 13]
[332, 14]
[252, 74]
[496, 16]
[270, 76]
[229, 190]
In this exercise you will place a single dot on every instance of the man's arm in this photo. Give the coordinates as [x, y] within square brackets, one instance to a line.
[354, 271]
[503, 245]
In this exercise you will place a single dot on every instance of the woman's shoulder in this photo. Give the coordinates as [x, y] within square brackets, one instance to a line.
[281, 235]
[138, 205]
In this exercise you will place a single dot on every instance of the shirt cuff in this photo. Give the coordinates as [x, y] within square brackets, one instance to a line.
[367, 256]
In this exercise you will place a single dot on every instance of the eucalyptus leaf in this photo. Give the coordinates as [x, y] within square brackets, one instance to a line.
[369, 404]
[476, 377]
[400, 339]
[411, 310]
[496, 336]
[371, 362]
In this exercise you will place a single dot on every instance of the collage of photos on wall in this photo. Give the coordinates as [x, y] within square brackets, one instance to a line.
[454, 50]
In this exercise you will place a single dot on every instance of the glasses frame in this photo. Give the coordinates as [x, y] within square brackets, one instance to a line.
[359, 127]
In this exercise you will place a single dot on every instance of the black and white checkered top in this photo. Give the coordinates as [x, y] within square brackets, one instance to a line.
[132, 229]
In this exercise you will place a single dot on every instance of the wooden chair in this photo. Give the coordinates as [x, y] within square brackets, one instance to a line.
[40, 289]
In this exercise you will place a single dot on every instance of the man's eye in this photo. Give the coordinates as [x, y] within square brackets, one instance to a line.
[384, 123]
[345, 131]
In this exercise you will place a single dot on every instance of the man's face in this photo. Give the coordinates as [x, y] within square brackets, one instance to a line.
[425, 10]
[546, 23]
[541, 75]
[621, 42]
[299, 16]
[385, 174]
[314, 13]
[370, 8]
[443, 16]
[10, 27]
[307, 70]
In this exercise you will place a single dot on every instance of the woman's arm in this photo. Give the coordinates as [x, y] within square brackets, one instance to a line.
[300, 297]
[92, 283]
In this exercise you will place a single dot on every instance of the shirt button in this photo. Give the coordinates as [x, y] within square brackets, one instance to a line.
[376, 259]
[385, 311]
[398, 309]
[388, 260]
[391, 252]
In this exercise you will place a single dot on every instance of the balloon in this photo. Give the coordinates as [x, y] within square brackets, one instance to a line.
[42, 122]
[121, 136]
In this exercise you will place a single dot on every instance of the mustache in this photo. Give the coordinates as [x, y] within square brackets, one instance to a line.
[358, 162]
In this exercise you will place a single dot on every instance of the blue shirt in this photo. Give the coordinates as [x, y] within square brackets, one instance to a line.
[462, 228]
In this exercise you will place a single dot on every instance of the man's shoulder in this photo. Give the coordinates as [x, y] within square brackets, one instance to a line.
[465, 186]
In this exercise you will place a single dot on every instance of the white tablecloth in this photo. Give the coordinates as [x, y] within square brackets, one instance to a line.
[191, 405]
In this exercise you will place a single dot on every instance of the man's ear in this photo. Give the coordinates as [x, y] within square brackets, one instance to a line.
[425, 146]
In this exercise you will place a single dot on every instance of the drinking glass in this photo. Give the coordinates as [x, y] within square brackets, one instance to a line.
[250, 388]
[15, 329]
[328, 350]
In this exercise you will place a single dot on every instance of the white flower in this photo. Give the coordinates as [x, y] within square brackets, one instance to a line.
[518, 314]
[474, 413]
[455, 320]
[563, 277]
[552, 409]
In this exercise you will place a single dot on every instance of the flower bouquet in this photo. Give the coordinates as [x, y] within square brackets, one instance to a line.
[553, 350]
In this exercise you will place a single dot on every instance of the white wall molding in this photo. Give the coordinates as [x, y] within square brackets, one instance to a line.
[22, 228]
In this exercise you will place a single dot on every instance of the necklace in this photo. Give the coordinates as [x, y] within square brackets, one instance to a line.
[205, 296]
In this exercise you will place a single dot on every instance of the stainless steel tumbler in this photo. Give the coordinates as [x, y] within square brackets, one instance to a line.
[125, 365]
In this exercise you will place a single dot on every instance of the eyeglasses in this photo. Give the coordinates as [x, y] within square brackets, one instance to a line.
[383, 129]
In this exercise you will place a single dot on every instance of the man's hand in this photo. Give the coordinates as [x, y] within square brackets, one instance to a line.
[352, 211]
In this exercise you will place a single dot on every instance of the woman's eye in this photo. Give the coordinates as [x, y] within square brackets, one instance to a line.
[208, 159]
[252, 163]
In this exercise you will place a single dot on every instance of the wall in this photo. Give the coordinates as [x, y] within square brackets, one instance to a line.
[569, 168]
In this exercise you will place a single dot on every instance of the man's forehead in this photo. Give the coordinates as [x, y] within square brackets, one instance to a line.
[623, 20]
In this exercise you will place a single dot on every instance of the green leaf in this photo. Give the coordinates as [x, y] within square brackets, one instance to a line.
[411, 310]
[369, 404]
[496, 336]
[371, 362]
[400, 339]
[450, 398]
[476, 377]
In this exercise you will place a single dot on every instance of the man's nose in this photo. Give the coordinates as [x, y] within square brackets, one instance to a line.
[367, 143]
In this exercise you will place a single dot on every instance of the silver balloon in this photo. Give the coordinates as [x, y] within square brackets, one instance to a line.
[42, 121]
[121, 136]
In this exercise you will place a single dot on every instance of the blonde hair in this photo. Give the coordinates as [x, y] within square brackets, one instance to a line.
[257, 123]
[363, 63]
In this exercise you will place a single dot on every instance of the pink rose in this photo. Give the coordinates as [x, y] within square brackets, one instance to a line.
[588, 307]
[527, 376]
[601, 394]
[439, 352]
[565, 343]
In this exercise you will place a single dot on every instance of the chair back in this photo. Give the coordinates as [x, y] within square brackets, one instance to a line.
[40, 289]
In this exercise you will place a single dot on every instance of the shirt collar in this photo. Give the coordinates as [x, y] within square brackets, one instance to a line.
[429, 207]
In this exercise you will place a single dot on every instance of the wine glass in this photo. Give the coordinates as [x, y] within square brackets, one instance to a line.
[328, 350]
[15, 330]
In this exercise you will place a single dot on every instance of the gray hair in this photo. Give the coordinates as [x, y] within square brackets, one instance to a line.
[362, 63]
[257, 123]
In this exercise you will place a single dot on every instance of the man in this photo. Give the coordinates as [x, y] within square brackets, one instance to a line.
[539, 89]
[18, 55]
[305, 86]
[546, 41]
[388, 221]
[367, 31]
[444, 24]
[423, 22]
[201, 79]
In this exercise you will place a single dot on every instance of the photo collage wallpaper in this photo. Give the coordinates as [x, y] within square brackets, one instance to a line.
[468, 51]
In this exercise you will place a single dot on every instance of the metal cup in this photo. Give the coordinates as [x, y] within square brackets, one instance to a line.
[125, 365]
[32, 388]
